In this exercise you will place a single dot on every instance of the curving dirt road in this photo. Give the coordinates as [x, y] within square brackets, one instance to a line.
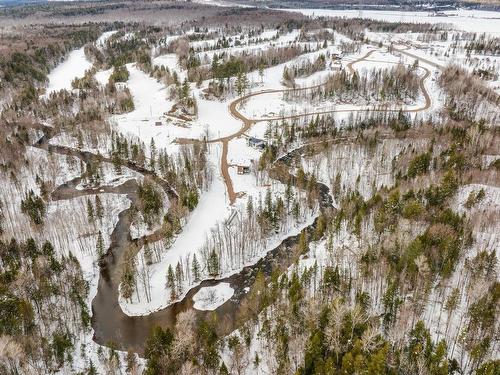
[108, 320]
[248, 122]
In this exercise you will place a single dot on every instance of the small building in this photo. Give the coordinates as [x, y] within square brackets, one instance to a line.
[336, 56]
[243, 169]
[158, 123]
[256, 142]
[120, 86]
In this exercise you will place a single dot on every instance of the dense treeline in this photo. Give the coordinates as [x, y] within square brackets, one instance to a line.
[318, 318]
[224, 66]
[355, 28]
[399, 83]
[23, 70]
[303, 69]
[35, 283]
[467, 98]
[480, 43]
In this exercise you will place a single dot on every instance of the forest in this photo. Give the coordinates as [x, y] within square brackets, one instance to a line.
[190, 188]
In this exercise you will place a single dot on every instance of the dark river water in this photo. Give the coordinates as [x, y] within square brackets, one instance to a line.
[110, 324]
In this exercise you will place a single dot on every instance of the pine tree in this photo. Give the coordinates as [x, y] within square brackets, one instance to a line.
[185, 89]
[117, 162]
[90, 211]
[250, 207]
[195, 266]
[152, 159]
[213, 264]
[1, 219]
[178, 277]
[223, 369]
[91, 370]
[303, 243]
[127, 282]
[286, 75]
[171, 282]
[241, 83]
[131, 361]
[100, 244]
[288, 194]
[99, 209]
[268, 202]
[296, 210]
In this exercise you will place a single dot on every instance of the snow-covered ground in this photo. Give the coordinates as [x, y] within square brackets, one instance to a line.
[210, 297]
[283, 41]
[150, 102]
[67, 226]
[468, 20]
[140, 228]
[95, 143]
[110, 177]
[102, 76]
[211, 212]
[160, 295]
[272, 105]
[101, 41]
[74, 66]
[53, 169]
[170, 61]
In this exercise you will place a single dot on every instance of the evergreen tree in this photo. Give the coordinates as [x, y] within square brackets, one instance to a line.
[90, 211]
[303, 243]
[117, 162]
[131, 361]
[171, 282]
[296, 210]
[261, 72]
[241, 83]
[33, 206]
[185, 89]
[152, 158]
[195, 267]
[288, 193]
[99, 209]
[213, 263]
[178, 277]
[250, 207]
[100, 244]
[127, 282]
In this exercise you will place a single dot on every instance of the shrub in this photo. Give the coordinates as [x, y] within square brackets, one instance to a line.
[33, 206]
[419, 165]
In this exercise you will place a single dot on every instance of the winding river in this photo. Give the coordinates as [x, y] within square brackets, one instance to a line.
[109, 322]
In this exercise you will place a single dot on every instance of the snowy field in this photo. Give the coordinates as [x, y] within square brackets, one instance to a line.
[211, 297]
[467, 20]
[367, 170]
[274, 105]
[74, 66]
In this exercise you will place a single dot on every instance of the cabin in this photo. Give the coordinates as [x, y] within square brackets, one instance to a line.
[120, 86]
[243, 169]
[256, 143]
[337, 56]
